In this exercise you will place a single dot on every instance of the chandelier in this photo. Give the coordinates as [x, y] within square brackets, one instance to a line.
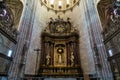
[60, 5]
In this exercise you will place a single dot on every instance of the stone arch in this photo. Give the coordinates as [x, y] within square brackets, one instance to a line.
[103, 7]
[16, 7]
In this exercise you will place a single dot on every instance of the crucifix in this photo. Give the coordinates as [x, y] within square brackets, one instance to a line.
[37, 50]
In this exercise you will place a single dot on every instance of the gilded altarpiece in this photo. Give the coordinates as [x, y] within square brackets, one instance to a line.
[60, 50]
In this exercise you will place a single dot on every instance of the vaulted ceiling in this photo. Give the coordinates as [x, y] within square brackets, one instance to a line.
[16, 7]
[103, 7]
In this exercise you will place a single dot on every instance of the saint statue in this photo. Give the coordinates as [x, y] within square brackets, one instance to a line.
[72, 59]
[59, 58]
[48, 59]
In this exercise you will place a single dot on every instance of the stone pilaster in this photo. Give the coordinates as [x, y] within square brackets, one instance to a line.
[96, 38]
[25, 30]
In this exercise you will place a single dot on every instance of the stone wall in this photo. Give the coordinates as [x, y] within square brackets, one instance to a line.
[78, 20]
[83, 17]
[25, 28]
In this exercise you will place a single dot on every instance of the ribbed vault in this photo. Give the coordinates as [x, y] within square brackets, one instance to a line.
[103, 7]
[16, 7]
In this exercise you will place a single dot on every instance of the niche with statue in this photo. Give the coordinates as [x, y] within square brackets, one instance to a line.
[60, 50]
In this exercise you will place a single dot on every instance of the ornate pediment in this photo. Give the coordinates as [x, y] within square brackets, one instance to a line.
[60, 27]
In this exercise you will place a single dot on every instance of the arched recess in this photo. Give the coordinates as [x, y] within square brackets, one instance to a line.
[103, 8]
[16, 7]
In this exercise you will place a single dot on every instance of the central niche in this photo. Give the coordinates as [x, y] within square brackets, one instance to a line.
[59, 53]
[60, 50]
